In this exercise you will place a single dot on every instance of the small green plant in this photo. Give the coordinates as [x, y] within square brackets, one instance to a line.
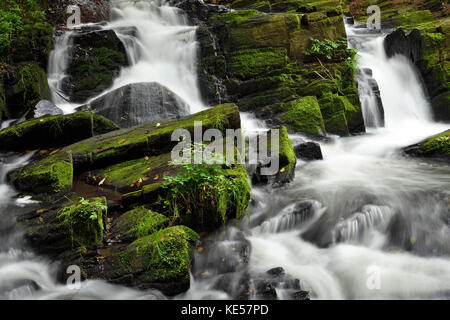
[83, 221]
[198, 188]
[326, 47]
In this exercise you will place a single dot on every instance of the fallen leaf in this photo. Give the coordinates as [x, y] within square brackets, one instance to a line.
[200, 249]
[282, 170]
[43, 151]
[101, 182]
[146, 158]
[40, 219]
[158, 124]
[147, 131]
[156, 177]
[54, 151]
[40, 211]
[69, 151]
[122, 141]
[100, 149]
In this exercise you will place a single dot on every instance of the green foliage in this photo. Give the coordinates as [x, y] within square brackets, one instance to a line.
[198, 188]
[327, 48]
[22, 25]
[83, 221]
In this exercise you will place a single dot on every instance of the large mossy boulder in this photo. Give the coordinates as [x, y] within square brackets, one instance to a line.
[97, 58]
[436, 147]
[54, 131]
[139, 103]
[53, 174]
[25, 85]
[160, 260]
[75, 225]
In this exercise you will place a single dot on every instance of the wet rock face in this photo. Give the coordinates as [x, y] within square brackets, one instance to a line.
[271, 285]
[96, 59]
[308, 151]
[139, 103]
[92, 11]
[409, 45]
[429, 52]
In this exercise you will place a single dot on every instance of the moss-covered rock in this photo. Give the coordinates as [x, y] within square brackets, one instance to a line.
[82, 222]
[436, 147]
[75, 225]
[54, 131]
[53, 174]
[97, 58]
[123, 148]
[25, 85]
[160, 260]
[304, 115]
[138, 223]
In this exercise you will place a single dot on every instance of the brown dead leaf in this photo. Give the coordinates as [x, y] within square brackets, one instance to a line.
[40, 219]
[69, 151]
[43, 151]
[40, 211]
[156, 177]
[146, 158]
[53, 152]
[100, 149]
[147, 131]
[122, 141]
[200, 249]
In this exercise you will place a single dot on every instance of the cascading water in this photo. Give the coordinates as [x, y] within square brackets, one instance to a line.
[380, 213]
[164, 50]
[363, 209]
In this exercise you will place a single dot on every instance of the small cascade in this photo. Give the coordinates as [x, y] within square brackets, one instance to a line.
[294, 217]
[359, 225]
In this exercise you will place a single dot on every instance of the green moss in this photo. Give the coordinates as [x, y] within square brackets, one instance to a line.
[82, 221]
[54, 131]
[51, 175]
[414, 18]
[439, 144]
[337, 124]
[27, 86]
[160, 257]
[253, 63]
[235, 18]
[304, 115]
[140, 222]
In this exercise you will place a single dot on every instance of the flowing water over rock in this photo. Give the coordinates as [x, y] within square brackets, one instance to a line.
[363, 211]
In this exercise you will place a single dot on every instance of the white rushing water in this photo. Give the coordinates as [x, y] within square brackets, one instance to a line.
[386, 217]
[365, 210]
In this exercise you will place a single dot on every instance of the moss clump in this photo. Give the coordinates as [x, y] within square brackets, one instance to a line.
[304, 115]
[160, 257]
[82, 221]
[203, 196]
[27, 85]
[51, 175]
[25, 34]
[340, 115]
[436, 147]
[439, 144]
[235, 18]
[139, 222]
[253, 63]
[414, 18]
[54, 131]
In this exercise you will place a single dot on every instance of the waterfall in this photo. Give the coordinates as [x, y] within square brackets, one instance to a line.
[363, 210]
[164, 51]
